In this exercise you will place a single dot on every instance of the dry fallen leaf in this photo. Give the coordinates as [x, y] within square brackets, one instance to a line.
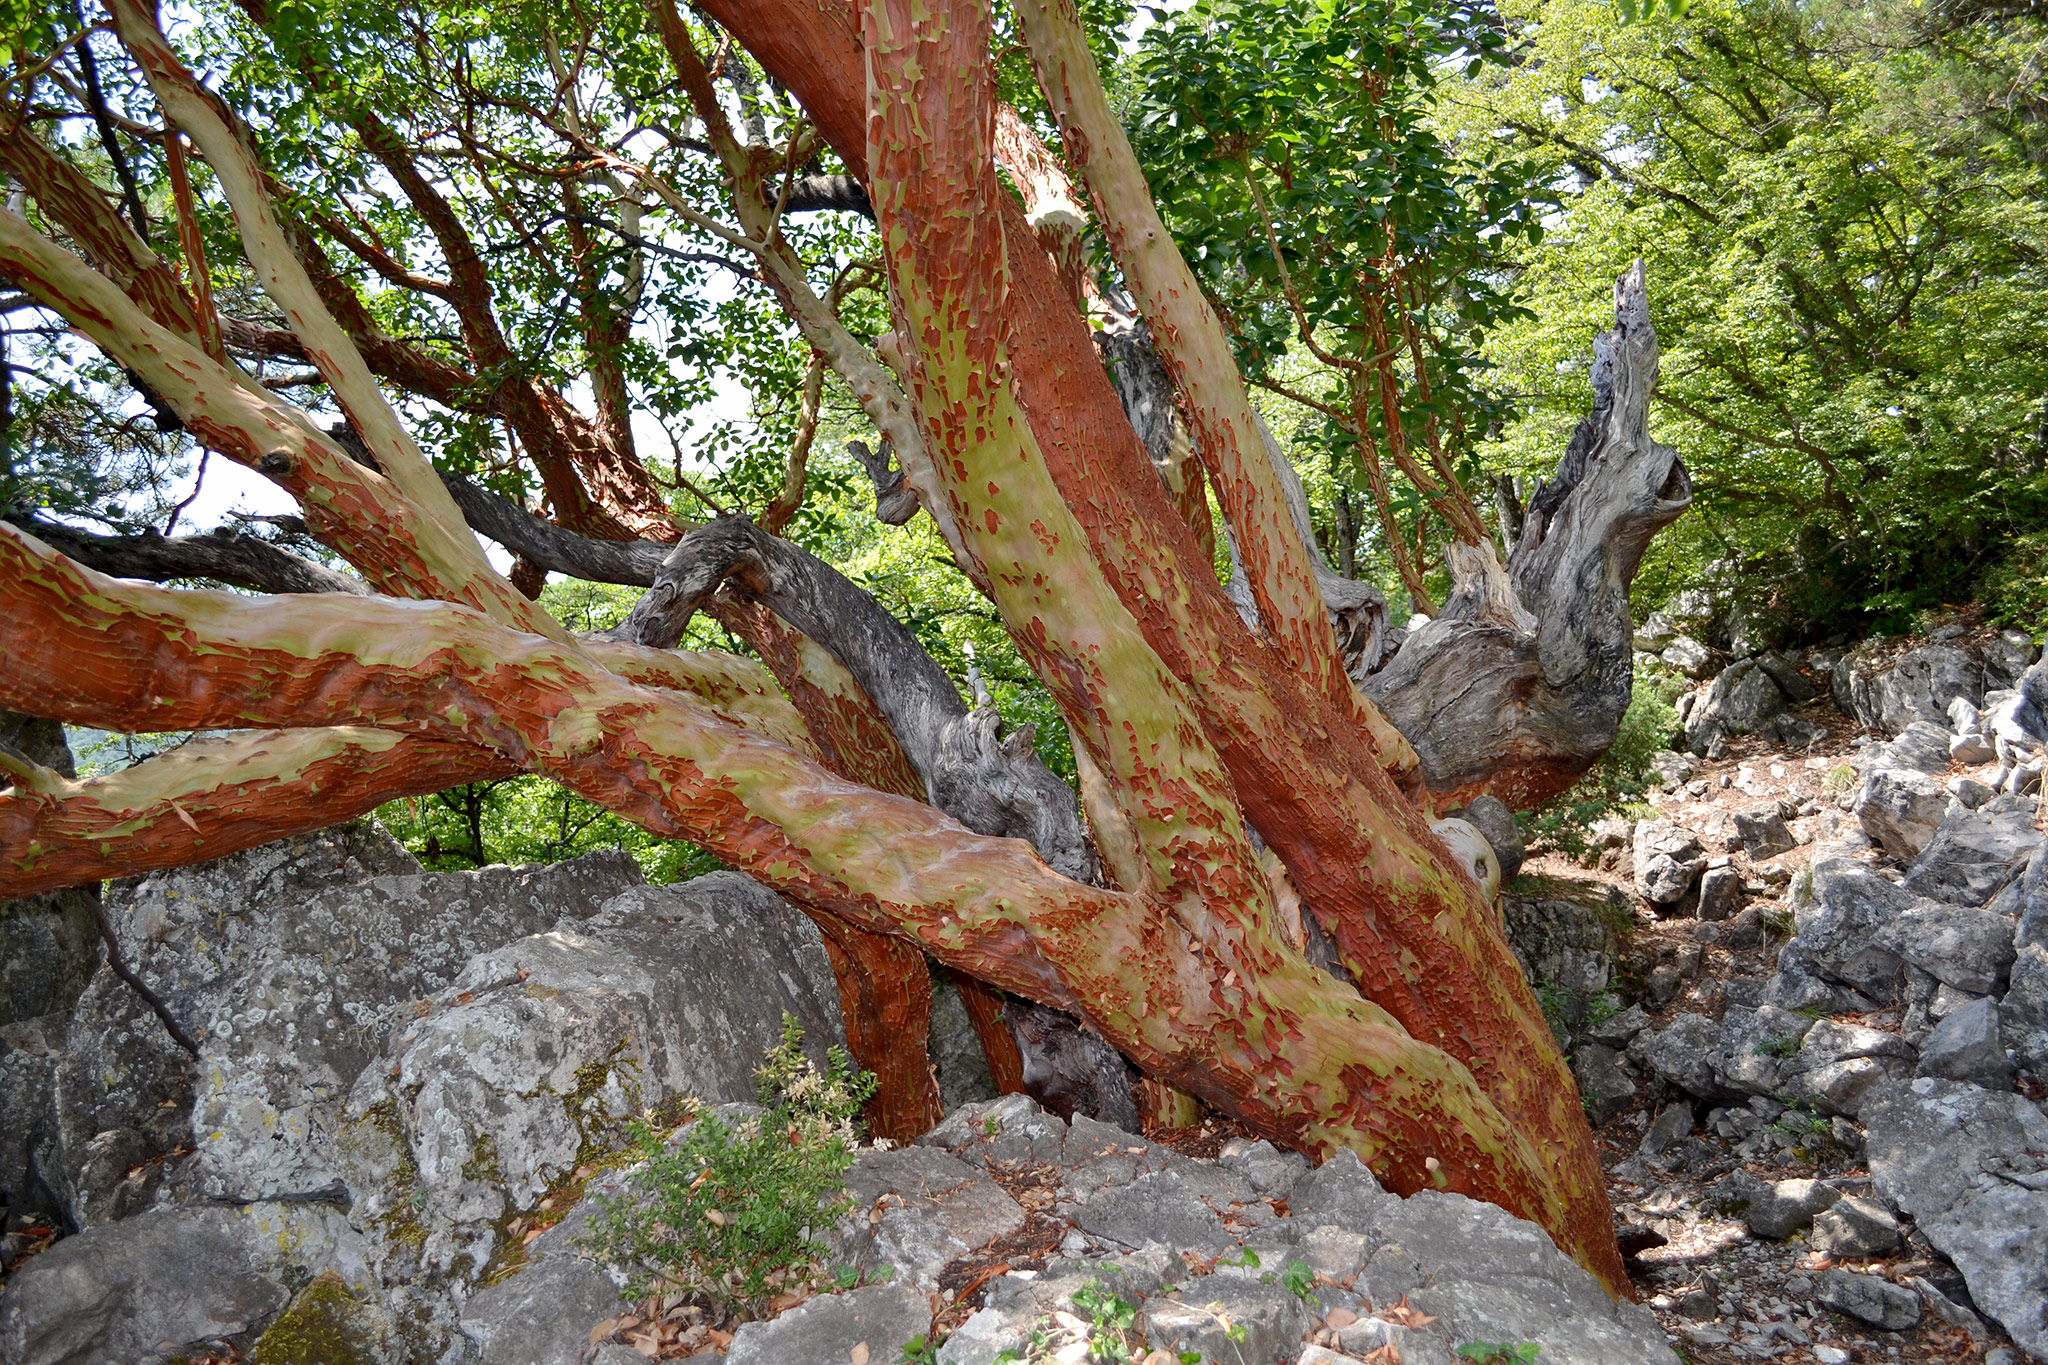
[1389, 1354]
[1406, 1316]
[859, 1354]
[1340, 1317]
[603, 1330]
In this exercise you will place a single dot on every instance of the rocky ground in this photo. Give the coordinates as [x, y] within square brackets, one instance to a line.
[1805, 992]
[1817, 1063]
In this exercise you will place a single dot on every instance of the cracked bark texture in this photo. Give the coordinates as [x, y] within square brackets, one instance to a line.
[1523, 713]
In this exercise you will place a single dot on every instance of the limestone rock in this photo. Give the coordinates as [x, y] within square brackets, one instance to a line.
[1971, 1167]
[1869, 1298]
[1975, 854]
[144, 1288]
[543, 1049]
[832, 1327]
[1763, 833]
[1567, 947]
[123, 1089]
[1773, 1209]
[1918, 686]
[932, 1207]
[1968, 1046]
[1668, 859]
[1682, 1053]
[1838, 1063]
[1742, 700]
[1971, 950]
[1838, 917]
[1604, 1088]
[1854, 1228]
[956, 1050]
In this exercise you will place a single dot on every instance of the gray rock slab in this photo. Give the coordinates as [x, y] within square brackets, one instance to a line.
[1763, 832]
[1902, 809]
[123, 1091]
[828, 1328]
[1971, 1167]
[1968, 1045]
[1218, 1315]
[1567, 946]
[1683, 1053]
[1773, 1209]
[1975, 854]
[1971, 950]
[141, 1289]
[1837, 1064]
[1869, 1298]
[1668, 860]
[1343, 1192]
[1839, 911]
[545, 1048]
[919, 1209]
[1490, 1276]
[1008, 1130]
[1742, 699]
[1163, 1207]
[1853, 1228]
[1604, 1087]
[287, 1037]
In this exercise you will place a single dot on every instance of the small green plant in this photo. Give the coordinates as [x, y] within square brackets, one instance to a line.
[920, 1350]
[1247, 1259]
[1840, 778]
[1778, 1047]
[1801, 1126]
[1499, 1352]
[729, 1210]
[1110, 1334]
[1299, 1279]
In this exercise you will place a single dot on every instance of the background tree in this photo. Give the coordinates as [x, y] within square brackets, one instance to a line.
[1246, 901]
[1846, 204]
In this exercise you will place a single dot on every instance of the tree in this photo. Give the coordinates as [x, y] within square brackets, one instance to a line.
[1847, 207]
[1247, 901]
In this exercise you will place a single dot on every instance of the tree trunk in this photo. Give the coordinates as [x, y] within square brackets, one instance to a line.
[1244, 797]
[1523, 713]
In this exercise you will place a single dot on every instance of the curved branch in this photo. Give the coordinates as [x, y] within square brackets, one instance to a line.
[1218, 1025]
[992, 786]
[212, 797]
[232, 557]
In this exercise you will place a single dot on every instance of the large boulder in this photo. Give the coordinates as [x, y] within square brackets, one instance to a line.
[534, 1058]
[1971, 1167]
[1971, 950]
[1968, 1046]
[146, 1289]
[1916, 686]
[1741, 702]
[1975, 854]
[1668, 860]
[1840, 911]
[1567, 944]
[123, 1089]
[1837, 1064]
[308, 1009]
[1902, 802]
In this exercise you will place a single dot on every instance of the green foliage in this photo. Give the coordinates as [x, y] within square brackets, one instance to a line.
[1499, 1352]
[1621, 777]
[1110, 1333]
[1843, 227]
[1299, 1279]
[729, 1211]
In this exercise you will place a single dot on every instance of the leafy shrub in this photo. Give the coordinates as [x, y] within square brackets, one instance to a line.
[1621, 777]
[729, 1211]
